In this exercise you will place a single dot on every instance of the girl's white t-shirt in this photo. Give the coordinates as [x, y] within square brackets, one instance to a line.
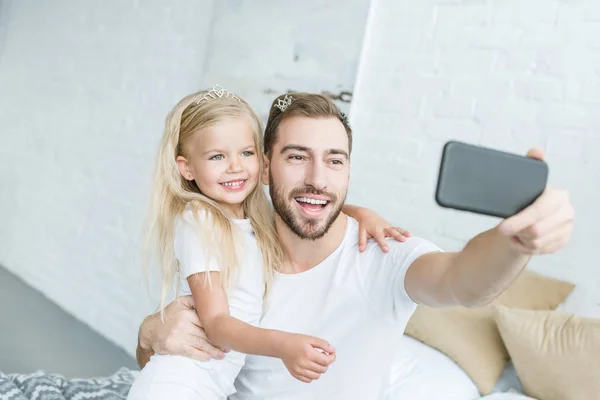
[245, 295]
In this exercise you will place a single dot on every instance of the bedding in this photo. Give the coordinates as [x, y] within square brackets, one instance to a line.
[433, 376]
[424, 374]
[44, 386]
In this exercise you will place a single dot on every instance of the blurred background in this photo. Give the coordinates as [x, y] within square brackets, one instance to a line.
[85, 87]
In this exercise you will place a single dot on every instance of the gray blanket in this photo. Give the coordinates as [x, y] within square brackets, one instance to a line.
[44, 386]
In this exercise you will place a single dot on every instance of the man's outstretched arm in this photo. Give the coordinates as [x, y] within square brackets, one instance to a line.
[472, 277]
[492, 260]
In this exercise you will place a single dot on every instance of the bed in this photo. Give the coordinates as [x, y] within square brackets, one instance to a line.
[64, 373]
[423, 366]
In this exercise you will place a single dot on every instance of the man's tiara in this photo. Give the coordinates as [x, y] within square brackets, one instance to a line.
[284, 103]
[217, 92]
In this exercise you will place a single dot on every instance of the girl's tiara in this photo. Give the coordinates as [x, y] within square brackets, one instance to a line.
[217, 92]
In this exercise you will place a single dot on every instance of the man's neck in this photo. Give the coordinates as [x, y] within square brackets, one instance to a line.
[300, 255]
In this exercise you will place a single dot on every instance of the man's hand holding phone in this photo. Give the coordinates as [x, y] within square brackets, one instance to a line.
[546, 225]
[538, 219]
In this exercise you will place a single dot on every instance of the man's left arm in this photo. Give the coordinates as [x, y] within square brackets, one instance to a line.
[492, 260]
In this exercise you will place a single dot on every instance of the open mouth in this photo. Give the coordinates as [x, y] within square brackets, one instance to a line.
[311, 206]
[237, 184]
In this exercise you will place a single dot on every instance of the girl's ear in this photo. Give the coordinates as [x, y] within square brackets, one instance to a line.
[265, 174]
[184, 168]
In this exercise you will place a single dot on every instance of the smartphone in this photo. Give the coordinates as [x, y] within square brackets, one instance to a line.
[487, 181]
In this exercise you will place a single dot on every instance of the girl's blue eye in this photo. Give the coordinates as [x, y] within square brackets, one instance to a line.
[217, 157]
[247, 153]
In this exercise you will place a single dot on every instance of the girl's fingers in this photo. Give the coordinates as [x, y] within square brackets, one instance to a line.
[395, 233]
[362, 239]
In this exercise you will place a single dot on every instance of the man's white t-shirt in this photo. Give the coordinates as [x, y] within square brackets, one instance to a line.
[357, 302]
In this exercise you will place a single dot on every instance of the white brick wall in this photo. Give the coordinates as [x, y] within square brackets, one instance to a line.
[507, 74]
[84, 89]
[85, 85]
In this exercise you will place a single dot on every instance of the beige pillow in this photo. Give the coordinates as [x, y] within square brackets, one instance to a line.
[556, 355]
[470, 336]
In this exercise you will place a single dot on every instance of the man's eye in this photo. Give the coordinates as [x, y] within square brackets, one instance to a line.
[217, 157]
[337, 162]
[296, 157]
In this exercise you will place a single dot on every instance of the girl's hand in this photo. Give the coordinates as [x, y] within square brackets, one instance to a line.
[371, 225]
[305, 357]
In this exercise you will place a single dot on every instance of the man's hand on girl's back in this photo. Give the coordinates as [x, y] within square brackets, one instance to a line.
[180, 334]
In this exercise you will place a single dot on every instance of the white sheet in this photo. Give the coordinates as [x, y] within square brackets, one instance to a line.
[427, 374]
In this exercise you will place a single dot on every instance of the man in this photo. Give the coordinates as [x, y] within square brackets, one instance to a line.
[360, 302]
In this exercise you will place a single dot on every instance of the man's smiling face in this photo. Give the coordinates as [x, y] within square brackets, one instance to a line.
[309, 172]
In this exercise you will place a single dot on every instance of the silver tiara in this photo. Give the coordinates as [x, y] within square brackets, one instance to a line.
[284, 103]
[217, 92]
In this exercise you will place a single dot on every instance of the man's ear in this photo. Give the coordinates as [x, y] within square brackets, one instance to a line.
[184, 168]
[266, 166]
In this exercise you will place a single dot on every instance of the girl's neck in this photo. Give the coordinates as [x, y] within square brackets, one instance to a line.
[300, 255]
[235, 211]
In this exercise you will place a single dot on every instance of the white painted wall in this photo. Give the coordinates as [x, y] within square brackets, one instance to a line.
[84, 89]
[506, 74]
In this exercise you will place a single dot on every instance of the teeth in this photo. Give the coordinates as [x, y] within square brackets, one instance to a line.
[311, 201]
[233, 184]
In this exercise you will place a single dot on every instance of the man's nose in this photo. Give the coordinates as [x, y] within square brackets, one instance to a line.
[316, 176]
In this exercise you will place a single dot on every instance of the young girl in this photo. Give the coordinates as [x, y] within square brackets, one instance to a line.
[214, 228]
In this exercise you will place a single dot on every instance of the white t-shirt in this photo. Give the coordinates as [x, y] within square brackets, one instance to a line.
[357, 302]
[245, 295]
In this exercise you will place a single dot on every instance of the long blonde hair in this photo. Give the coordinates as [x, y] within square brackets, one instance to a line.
[172, 194]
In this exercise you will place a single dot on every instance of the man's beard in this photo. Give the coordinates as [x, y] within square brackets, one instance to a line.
[309, 228]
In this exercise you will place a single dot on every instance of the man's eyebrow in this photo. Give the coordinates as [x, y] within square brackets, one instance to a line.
[296, 147]
[309, 150]
[338, 152]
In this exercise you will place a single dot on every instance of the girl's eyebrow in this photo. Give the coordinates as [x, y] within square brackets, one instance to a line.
[223, 151]
[214, 151]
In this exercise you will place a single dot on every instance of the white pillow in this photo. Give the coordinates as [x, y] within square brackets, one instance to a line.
[421, 372]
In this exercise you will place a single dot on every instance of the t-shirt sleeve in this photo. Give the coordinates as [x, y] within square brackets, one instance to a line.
[383, 276]
[190, 249]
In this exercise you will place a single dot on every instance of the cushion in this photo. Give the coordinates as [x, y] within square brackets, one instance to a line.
[555, 354]
[421, 372]
[470, 336]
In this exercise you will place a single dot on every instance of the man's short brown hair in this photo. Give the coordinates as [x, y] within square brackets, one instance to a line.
[302, 104]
